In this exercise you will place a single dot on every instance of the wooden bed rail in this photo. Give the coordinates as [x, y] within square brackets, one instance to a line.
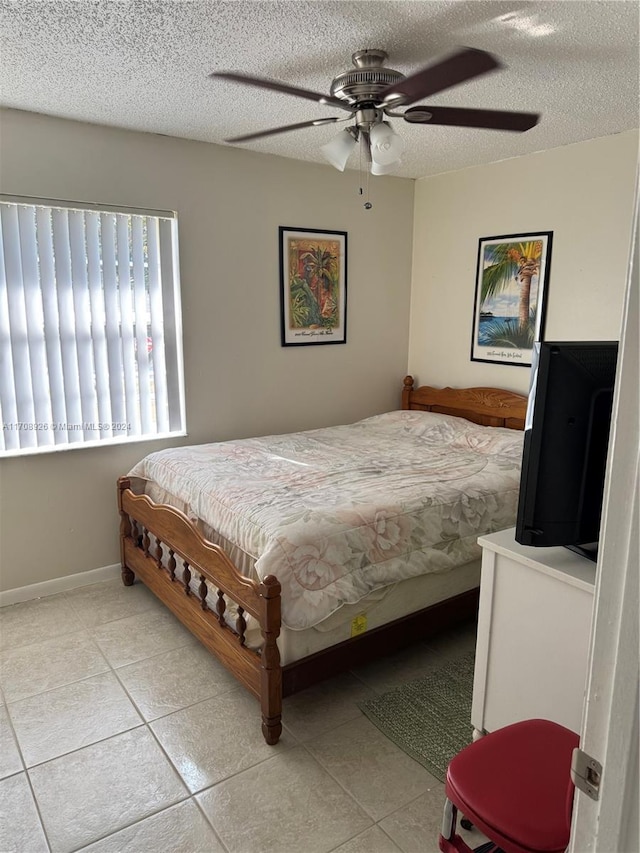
[155, 563]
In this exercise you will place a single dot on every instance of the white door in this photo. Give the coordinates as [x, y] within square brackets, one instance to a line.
[610, 717]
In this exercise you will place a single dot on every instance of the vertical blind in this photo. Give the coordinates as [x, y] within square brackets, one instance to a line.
[90, 331]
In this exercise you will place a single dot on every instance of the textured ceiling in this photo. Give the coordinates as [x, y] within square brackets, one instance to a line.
[145, 66]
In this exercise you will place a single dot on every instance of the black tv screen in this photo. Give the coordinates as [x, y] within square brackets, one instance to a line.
[565, 444]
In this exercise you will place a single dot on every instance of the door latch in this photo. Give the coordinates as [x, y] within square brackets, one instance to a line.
[586, 773]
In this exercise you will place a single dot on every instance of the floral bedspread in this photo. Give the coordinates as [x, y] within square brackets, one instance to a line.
[336, 513]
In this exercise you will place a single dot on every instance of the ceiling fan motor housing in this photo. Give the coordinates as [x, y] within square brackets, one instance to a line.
[368, 80]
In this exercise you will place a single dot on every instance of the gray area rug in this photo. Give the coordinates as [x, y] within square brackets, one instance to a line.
[429, 718]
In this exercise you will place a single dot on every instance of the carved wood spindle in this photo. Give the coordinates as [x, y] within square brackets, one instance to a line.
[241, 626]
[186, 578]
[203, 589]
[171, 565]
[135, 532]
[158, 553]
[221, 606]
[125, 524]
[146, 542]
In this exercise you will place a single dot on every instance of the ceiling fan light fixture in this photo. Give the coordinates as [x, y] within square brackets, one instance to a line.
[338, 149]
[386, 145]
[377, 169]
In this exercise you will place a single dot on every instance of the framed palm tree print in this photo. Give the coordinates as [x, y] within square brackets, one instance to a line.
[511, 283]
[313, 286]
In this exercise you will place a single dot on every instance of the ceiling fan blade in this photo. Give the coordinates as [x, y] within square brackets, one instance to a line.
[277, 86]
[463, 65]
[316, 123]
[461, 117]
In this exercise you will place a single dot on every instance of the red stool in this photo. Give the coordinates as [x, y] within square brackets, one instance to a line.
[514, 785]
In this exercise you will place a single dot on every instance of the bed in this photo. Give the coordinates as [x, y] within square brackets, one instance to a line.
[294, 557]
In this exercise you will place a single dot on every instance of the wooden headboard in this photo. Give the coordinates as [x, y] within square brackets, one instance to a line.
[486, 406]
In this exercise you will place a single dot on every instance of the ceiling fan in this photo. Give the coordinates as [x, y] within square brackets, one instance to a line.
[371, 92]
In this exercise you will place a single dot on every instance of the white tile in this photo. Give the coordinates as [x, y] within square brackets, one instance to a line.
[99, 603]
[20, 827]
[216, 738]
[415, 828]
[70, 717]
[288, 804]
[88, 794]
[372, 840]
[324, 706]
[10, 761]
[169, 682]
[49, 663]
[180, 829]
[138, 637]
[379, 775]
[32, 621]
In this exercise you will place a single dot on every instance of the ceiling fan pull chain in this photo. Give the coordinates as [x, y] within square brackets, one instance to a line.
[360, 189]
[366, 156]
[368, 205]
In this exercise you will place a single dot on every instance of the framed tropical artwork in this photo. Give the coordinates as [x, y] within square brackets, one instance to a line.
[313, 286]
[510, 300]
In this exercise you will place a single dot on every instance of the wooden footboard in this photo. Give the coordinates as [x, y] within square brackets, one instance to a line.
[160, 545]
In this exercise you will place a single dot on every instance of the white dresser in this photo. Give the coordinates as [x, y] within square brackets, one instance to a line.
[534, 623]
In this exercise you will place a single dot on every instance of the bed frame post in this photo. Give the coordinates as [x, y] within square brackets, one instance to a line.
[406, 391]
[271, 671]
[128, 576]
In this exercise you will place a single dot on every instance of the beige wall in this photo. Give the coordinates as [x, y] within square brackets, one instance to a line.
[583, 193]
[57, 511]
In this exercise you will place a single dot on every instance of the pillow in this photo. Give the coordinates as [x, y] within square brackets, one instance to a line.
[457, 432]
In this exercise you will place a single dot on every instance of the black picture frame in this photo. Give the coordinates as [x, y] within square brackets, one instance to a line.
[313, 286]
[512, 281]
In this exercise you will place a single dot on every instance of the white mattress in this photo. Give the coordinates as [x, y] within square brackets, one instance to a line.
[380, 608]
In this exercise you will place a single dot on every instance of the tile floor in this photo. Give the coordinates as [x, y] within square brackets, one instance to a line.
[118, 732]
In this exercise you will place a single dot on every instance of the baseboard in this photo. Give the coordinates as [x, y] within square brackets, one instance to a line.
[51, 587]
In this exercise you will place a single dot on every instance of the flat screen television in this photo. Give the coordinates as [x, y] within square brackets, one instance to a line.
[565, 444]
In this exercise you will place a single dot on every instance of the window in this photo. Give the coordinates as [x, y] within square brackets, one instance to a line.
[90, 328]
